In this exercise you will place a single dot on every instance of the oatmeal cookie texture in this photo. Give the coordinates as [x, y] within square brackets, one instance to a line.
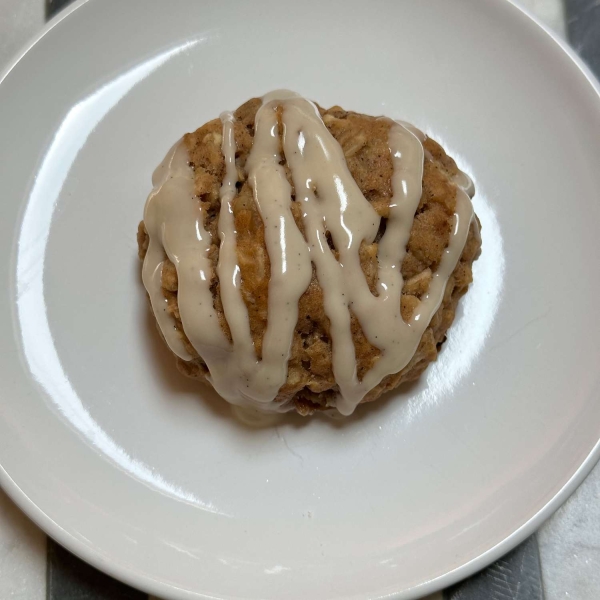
[309, 361]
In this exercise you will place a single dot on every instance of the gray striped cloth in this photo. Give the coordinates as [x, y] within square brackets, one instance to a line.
[517, 576]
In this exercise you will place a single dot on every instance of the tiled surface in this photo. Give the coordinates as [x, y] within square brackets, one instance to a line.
[569, 542]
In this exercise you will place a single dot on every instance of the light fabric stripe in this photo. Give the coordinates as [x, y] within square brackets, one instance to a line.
[22, 555]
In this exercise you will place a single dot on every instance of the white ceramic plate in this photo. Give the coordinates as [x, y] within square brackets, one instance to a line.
[147, 475]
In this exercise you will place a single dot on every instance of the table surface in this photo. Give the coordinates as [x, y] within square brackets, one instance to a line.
[569, 541]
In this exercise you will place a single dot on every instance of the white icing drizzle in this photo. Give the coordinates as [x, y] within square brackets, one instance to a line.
[332, 202]
[171, 179]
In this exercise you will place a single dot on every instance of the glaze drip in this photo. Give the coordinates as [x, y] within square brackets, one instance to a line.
[332, 203]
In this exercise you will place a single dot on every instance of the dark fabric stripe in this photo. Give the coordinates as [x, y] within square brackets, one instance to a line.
[583, 28]
[53, 6]
[517, 576]
[69, 578]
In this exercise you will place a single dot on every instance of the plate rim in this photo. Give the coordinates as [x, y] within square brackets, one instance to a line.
[91, 555]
